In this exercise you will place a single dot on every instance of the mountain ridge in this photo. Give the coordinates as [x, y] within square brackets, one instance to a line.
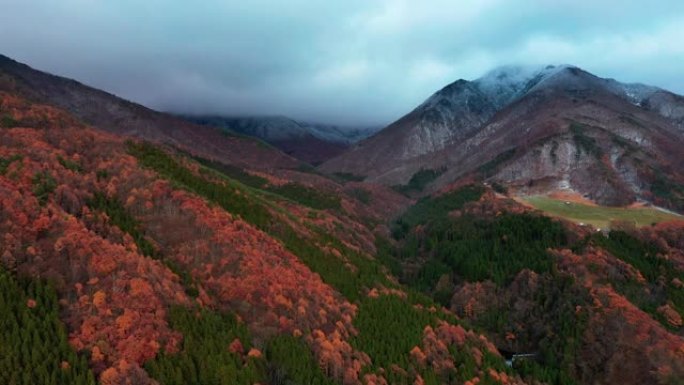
[128, 260]
[113, 114]
[310, 142]
[461, 129]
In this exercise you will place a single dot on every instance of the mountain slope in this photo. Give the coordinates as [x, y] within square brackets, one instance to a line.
[450, 115]
[112, 114]
[152, 266]
[289, 136]
[340, 134]
[558, 127]
[312, 143]
[161, 261]
[579, 302]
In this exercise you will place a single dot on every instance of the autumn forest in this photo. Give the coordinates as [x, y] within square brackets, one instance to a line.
[147, 258]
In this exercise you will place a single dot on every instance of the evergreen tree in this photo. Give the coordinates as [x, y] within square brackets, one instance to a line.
[33, 343]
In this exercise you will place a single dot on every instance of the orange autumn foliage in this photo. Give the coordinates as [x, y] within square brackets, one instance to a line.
[115, 298]
[254, 353]
[99, 298]
[236, 346]
[68, 246]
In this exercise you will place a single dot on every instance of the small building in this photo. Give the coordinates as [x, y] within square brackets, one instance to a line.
[511, 357]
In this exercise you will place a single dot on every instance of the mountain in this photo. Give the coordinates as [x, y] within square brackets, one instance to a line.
[127, 259]
[124, 260]
[310, 142]
[535, 130]
[113, 114]
[340, 134]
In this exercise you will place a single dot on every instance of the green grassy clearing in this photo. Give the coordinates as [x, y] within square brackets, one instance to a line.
[599, 216]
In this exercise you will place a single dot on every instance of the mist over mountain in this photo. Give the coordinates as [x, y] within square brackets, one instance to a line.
[310, 142]
[341, 192]
[522, 228]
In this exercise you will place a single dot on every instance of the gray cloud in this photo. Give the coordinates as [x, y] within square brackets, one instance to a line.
[348, 62]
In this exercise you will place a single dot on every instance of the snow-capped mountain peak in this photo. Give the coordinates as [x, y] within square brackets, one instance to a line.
[504, 84]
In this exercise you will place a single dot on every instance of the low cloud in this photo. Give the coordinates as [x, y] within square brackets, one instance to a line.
[346, 62]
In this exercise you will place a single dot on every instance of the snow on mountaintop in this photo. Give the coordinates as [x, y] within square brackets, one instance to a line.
[462, 105]
[499, 86]
[508, 83]
[450, 96]
[504, 84]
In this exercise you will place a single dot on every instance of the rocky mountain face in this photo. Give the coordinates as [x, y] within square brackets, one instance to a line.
[535, 130]
[450, 115]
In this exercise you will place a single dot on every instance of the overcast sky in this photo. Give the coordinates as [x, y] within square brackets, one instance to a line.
[337, 61]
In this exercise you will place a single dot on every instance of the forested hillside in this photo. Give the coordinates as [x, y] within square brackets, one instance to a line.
[130, 262]
[162, 268]
[580, 303]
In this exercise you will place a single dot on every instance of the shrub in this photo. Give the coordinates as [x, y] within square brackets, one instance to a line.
[7, 121]
[43, 185]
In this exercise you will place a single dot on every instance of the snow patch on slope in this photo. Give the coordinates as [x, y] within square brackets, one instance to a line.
[635, 93]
